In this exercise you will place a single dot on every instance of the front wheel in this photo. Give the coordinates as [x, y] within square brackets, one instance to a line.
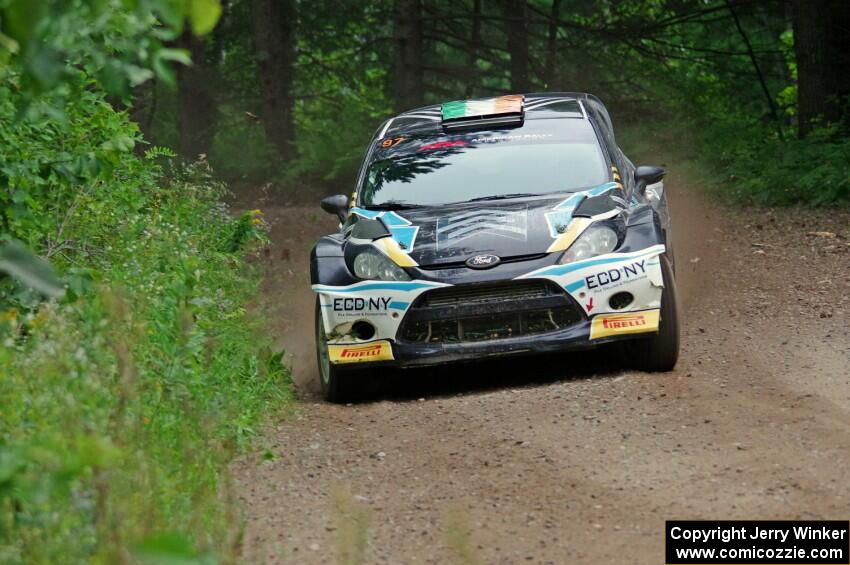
[660, 352]
[333, 380]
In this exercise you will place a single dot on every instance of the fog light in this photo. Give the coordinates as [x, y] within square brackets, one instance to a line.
[362, 330]
[620, 300]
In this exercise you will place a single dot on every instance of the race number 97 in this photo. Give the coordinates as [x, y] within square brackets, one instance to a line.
[391, 142]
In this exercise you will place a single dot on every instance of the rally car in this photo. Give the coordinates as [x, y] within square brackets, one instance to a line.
[495, 227]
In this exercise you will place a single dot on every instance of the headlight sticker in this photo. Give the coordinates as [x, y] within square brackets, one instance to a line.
[560, 217]
[391, 248]
[403, 231]
[575, 229]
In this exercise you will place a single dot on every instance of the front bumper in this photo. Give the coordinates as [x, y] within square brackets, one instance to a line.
[588, 285]
[575, 337]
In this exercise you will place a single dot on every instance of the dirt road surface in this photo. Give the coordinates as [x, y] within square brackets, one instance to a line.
[568, 459]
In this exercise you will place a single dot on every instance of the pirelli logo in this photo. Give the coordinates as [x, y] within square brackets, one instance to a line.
[362, 353]
[625, 322]
[605, 325]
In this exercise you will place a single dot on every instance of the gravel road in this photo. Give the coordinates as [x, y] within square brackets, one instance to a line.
[568, 459]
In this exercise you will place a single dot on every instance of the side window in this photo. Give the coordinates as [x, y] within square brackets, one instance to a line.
[606, 138]
[361, 174]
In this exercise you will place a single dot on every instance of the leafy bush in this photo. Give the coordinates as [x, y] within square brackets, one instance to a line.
[118, 42]
[759, 168]
[121, 404]
[747, 160]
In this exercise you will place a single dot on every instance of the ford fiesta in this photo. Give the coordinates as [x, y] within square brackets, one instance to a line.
[505, 226]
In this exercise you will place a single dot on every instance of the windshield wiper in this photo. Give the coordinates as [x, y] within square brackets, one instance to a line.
[392, 206]
[503, 196]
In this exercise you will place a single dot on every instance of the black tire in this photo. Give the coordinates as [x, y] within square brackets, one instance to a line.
[334, 381]
[668, 244]
[660, 352]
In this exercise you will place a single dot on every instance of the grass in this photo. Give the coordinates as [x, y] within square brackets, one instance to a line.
[122, 405]
[459, 539]
[352, 528]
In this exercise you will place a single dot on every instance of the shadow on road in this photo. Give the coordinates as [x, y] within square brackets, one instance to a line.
[482, 376]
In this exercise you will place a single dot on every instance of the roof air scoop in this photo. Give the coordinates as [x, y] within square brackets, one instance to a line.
[485, 113]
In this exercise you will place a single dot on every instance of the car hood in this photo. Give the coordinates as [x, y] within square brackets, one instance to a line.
[453, 233]
[445, 235]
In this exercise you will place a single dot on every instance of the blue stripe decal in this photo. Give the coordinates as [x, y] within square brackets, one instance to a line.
[603, 189]
[561, 214]
[370, 214]
[572, 287]
[404, 235]
[402, 230]
[559, 270]
[392, 219]
[403, 286]
[570, 203]
[399, 305]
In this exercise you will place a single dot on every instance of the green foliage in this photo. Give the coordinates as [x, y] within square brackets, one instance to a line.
[49, 166]
[121, 404]
[28, 269]
[165, 375]
[240, 149]
[328, 153]
[340, 91]
[170, 549]
[118, 42]
[760, 169]
[728, 70]
[696, 76]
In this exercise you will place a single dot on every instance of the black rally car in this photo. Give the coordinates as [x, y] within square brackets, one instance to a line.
[504, 226]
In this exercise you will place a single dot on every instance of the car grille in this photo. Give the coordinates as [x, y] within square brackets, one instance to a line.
[477, 294]
[470, 313]
[463, 265]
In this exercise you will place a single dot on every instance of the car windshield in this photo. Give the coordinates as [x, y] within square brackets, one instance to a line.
[483, 165]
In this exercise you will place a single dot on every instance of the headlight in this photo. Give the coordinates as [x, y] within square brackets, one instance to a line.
[596, 240]
[371, 264]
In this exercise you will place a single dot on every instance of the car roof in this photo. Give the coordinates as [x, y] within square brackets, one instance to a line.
[542, 105]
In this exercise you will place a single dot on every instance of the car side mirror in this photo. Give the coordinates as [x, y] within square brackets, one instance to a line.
[646, 175]
[336, 204]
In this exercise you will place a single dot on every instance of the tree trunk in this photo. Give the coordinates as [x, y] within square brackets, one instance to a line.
[771, 105]
[407, 71]
[144, 107]
[196, 107]
[839, 49]
[474, 45]
[817, 75]
[274, 40]
[517, 31]
[552, 44]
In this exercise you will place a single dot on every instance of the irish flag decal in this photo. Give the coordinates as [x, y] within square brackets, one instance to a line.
[481, 108]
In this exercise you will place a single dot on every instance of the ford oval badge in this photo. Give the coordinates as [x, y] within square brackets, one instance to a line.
[483, 261]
